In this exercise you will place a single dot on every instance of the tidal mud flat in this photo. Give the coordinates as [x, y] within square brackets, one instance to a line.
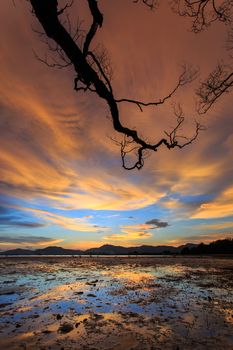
[117, 303]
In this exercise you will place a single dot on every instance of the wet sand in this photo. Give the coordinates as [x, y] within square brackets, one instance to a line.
[175, 303]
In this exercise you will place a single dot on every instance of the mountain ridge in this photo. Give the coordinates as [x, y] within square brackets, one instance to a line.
[223, 246]
[106, 249]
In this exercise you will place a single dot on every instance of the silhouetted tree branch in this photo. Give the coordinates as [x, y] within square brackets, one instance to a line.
[97, 22]
[218, 83]
[203, 14]
[65, 7]
[187, 75]
[149, 3]
[91, 75]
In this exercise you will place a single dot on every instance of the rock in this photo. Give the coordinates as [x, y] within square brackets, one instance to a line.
[59, 317]
[132, 314]
[97, 317]
[92, 283]
[46, 331]
[65, 327]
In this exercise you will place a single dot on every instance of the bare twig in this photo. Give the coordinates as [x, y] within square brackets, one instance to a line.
[204, 12]
[187, 76]
[219, 82]
[149, 3]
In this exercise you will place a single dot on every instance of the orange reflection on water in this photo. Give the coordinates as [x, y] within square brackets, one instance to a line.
[131, 276]
[61, 291]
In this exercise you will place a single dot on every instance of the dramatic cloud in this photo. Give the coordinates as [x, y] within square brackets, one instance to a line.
[10, 221]
[215, 226]
[220, 207]
[128, 236]
[136, 231]
[34, 240]
[59, 168]
[7, 219]
[155, 223]
[75, 224]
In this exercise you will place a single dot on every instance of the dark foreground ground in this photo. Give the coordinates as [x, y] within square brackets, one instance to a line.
[116, 303]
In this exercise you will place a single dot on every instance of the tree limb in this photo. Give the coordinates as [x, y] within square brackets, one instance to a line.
[96, 81]
[97, 22]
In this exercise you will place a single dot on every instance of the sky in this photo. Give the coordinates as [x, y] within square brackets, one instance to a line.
[61, 177]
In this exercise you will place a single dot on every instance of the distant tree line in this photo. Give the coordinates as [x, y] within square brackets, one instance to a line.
[224, 246]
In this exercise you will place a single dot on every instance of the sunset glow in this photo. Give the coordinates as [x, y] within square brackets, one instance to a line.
[61, 177]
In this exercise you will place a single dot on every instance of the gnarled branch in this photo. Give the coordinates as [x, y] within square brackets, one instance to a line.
[90, 75]
[97, 22]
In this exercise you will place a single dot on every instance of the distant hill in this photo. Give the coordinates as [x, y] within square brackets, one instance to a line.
[106, 249]
[57, 251]
[187, 245]
[17, 251]
[224, 246]
[43, 251]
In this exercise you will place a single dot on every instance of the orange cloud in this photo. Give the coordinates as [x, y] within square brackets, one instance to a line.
[12, 242]
[127, 236]
[74, 224]
[214, 226]
[222, 206]
[132, 233]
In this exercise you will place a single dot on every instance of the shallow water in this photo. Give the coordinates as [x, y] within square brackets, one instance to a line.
[116, 303]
